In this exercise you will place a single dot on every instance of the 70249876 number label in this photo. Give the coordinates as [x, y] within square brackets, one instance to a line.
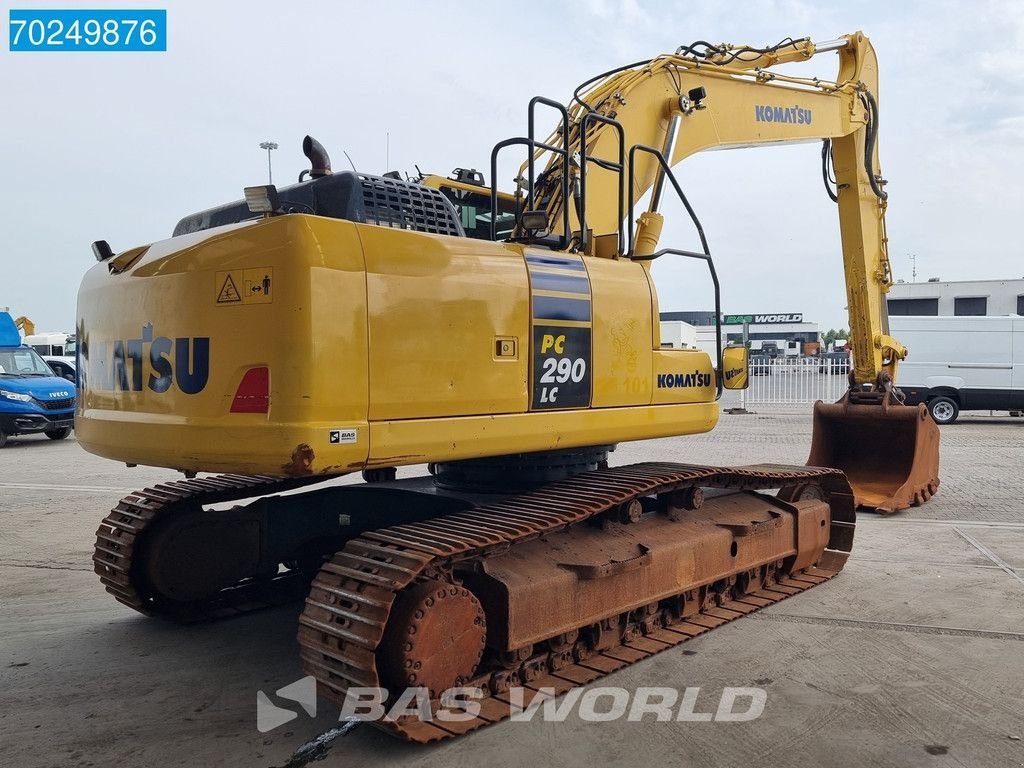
[40, 29]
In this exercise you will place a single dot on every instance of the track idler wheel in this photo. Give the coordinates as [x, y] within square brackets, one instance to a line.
[434, 638]
[194, 555]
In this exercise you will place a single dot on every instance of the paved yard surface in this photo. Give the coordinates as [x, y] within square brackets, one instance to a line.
[913, 656]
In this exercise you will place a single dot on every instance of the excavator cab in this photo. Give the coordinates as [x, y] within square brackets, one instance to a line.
[466, 191]
[889, 452]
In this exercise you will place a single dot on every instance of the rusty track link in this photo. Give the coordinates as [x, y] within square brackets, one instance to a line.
[120, 531]
[352, 597]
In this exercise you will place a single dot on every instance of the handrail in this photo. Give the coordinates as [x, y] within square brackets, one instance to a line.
[675, 185]
[706, 255]
[718, 303]
[608, 165]
[533, 145]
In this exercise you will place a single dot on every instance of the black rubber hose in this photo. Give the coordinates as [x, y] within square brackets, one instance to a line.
[869, 145]
[595, 78]
[826, 149]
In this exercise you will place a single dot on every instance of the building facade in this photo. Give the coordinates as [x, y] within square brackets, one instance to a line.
[962, 298]
[676, 334]
[780, 333]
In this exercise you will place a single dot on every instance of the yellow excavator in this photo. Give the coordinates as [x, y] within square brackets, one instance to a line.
[349, 323]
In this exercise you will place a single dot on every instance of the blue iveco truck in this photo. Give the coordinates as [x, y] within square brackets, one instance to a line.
[32, 397]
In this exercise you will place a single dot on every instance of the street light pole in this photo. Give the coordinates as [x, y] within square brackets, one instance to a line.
[269, 145]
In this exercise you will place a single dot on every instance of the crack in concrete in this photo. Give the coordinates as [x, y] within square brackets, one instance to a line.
[924, 629]
[46, 566]
[52, 487]
[933, 563]
[989, 554]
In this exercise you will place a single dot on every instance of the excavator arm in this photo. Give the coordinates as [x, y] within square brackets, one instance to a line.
[715, 97]
[726, 97]
[26, 326]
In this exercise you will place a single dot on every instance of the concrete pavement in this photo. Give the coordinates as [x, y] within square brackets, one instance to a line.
[913, 656]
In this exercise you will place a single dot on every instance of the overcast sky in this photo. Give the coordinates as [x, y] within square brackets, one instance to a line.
[119, 146]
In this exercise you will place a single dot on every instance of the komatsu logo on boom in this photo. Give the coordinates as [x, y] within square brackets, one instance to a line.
[765, 113]
[154, 362]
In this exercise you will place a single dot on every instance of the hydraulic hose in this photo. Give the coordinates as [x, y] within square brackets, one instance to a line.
[869, 144]
[826, 151]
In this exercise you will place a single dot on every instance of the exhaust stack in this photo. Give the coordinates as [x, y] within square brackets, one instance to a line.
[319, 160]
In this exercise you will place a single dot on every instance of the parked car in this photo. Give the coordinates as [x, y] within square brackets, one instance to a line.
[32, 397]
[835, 362]
[63, 366]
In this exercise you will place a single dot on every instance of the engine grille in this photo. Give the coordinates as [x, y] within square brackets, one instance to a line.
[391, 203]
[57, 405]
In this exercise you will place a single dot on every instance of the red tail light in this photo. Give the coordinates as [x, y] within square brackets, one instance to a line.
[253, 393]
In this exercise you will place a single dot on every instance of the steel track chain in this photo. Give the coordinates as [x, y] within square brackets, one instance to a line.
[119, 534]
[351, 598]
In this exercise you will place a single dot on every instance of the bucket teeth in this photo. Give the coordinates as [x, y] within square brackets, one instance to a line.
[889, 453]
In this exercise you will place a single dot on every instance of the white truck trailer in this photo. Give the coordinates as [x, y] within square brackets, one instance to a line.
[962, 363]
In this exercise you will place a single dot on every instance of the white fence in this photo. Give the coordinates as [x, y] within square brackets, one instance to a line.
[800, 380]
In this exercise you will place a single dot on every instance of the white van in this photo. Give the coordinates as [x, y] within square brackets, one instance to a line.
[961, 363]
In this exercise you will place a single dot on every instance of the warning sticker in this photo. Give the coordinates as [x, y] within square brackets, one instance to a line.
[228, 291]
[341, 436]
[245, 286]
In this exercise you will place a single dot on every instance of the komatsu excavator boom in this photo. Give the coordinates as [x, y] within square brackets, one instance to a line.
[347, 323]
[705, 97]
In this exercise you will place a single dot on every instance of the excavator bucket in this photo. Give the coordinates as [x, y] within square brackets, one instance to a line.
[890, 453]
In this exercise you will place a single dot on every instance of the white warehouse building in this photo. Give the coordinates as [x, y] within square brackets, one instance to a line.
[675, 334]
[958, 298]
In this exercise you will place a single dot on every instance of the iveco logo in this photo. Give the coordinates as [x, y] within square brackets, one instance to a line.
[60, 394]
[764, 113]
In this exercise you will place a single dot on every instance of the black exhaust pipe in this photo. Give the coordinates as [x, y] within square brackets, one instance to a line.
[319, 161]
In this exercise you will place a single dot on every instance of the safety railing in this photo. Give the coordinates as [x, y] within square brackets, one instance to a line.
[618, 167]
[796, 380]
[705, 256]
[532, 144]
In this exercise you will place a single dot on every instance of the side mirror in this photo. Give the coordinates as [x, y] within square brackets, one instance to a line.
[735, 367]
